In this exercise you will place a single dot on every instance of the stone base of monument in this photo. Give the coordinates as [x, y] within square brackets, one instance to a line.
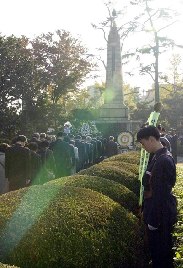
[113, 113]
[116, 126]
[114, 119]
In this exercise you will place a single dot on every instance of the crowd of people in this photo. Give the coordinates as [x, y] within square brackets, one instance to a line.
[25, 162]
[169, 139]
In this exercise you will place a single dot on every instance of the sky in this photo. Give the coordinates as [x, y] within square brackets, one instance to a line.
[32, 18]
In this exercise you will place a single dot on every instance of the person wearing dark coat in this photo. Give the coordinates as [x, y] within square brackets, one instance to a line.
[95, 152]
[111, 147]
[61, 153]
[18, 164]
[35, 138]
[174, 140]
[79, 143]
[163, 138]
[89, 152]
[48, 170]
[35, 163]
[159, 205]
[4, 186]
[72, 155]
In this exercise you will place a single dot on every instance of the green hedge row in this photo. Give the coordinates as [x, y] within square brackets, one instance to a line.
[7, 266]
[178, 231]
[112, 189]
[85, 220]
[179, 148]
[132, 157]
[67, 227]
[115, 173]
[123, 165]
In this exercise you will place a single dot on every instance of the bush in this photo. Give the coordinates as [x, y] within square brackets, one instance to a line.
[115, 173]
[132, 157]
[124, 165]
[112, 189]
[179, 148]
[66, 227]
[178, 231]
[7, 266]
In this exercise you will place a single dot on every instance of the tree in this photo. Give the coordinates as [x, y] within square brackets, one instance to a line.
[36, 74]
[62, 62]
[153, 21]
[172, 95]
[16, 73]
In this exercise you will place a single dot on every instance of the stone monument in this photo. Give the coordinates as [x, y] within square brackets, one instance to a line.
[113, 114]
[113, 108]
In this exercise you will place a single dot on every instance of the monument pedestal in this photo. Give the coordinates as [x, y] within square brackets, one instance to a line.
[114, 119]
[113, 112]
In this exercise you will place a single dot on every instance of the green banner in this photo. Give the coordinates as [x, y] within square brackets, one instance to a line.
[144, 157]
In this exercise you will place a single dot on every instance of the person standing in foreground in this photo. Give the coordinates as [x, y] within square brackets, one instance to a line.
[160, 206]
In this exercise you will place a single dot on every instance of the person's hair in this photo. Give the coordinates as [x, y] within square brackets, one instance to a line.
[72, 142]
[3, 147]
[44, 144]
[163, 129]
[146, 132]
[159, 127]
[42, 135]
[78, 137]
[13, 141]
[88, 139]
[60, 134]
[32, 146]
[21, 138]
[66, 139]
[36, 135]
[71, 136]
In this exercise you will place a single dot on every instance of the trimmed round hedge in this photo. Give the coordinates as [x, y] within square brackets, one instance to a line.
[115, 173]
[132, 157]
[124, 165]
[112, 189]
[68, 227]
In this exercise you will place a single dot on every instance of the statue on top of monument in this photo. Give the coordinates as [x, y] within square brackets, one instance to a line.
[114, 15]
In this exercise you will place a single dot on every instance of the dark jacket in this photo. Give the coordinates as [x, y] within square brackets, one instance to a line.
[35, 168]
[62, 156]
[17, 166]
[159, 179]
[111, 148]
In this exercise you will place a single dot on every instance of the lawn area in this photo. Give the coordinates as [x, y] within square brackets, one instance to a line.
[178, 232]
